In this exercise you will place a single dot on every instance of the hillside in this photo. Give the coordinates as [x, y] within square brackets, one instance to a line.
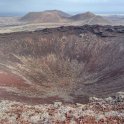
[82, 16]
[45, 16]
[100, 21]
[56, 16]
[91, 19]
[68, 64]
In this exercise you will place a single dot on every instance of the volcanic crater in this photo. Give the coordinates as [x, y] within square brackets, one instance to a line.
[68, 64]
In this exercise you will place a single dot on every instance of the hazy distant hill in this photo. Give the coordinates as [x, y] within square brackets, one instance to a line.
[7, 21]
[82, 16]
[116, 19]
[90, 18]
[99, 20]
[56, 16]
[45, 16]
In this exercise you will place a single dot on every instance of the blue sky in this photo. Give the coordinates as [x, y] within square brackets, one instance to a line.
[71, 6]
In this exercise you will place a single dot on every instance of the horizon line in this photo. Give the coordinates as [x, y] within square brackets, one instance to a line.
[7, 14]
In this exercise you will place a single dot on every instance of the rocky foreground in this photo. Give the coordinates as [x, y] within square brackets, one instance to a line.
[98, 111]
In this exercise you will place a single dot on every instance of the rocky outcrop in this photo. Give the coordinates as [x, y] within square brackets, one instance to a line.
[99, 111]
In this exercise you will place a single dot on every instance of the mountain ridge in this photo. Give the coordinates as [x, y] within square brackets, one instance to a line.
[45, 16]
[56, 16]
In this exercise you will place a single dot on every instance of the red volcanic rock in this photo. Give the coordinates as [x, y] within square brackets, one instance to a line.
[15, 112]
[10, 79]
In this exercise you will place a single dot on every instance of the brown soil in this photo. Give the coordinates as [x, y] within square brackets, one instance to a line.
[8, 79]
